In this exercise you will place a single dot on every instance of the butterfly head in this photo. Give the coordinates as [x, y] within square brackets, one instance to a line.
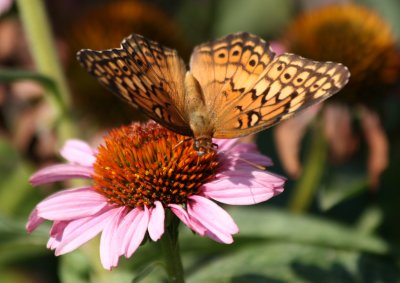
[203, 145]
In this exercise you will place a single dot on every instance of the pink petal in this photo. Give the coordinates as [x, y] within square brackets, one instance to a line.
[71, 204]
[132, 230]
[278, 47]
[33, 221]
[245, 147]
[252, 157]
[5, 5]
[248, 177]
[109, 248]
[56, 233]
[60, 172]
[225, 144]
[184, 217]
[78, 152]
[226, 191]
[217, 221]
[78, 232]
[156, 222]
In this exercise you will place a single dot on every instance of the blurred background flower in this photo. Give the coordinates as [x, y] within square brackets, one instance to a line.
[361, 39]
[347, 234]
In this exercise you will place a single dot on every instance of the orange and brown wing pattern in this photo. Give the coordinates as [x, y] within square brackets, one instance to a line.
[235, 61]
[290, 84]
[146, 75]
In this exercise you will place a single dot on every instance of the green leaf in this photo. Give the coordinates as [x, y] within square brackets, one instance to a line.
[16, 243]
[280, 262]
[16, 194]
[282, 225]
[269, 224]
[10, 75]
[341, 186]
[276, 246]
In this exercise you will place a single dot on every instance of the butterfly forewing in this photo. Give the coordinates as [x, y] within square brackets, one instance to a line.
[229, 66]
[290, 83]
[144, 74]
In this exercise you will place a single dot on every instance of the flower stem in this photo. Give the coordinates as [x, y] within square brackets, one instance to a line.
[37, 29]
[304, 191]
[170, 247]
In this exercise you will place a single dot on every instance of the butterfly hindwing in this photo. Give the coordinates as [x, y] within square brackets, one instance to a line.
[290, 84]
[144, 74]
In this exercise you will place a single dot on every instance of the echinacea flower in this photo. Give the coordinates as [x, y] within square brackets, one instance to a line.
[138, 173]
[354, 35]
[360, 39]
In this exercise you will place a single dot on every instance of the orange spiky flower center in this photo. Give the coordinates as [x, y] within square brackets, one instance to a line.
[141, 164]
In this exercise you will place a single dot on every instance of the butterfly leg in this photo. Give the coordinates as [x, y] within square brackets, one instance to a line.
[181, 142]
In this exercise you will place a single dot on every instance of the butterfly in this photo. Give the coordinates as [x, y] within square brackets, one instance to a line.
[236, 85]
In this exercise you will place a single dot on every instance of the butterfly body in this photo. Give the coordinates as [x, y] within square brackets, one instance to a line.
[200, 121]
[236, 86]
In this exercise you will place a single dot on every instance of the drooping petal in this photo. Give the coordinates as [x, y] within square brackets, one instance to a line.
[132, 230]
[60, 172]
[56, 232]
[109, 247]
[71, 204]
[78, 152]
[377, 140]
[156, 222]
[288, 136]
[182, 214]
[33, 221]
[215, 219]
[78, 232]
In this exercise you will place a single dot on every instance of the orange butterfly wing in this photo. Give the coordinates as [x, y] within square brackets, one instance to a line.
[146, 75]
[255, 90]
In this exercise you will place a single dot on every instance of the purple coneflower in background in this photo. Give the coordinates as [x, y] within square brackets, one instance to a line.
[138, 173]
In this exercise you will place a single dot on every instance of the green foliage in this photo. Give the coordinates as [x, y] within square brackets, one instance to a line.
[349, 234]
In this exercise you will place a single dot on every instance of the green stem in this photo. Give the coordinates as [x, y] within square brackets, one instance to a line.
[170, 247]
[304, 191]
[37, 29]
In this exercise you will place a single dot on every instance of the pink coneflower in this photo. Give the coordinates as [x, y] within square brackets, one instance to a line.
[139, 173]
